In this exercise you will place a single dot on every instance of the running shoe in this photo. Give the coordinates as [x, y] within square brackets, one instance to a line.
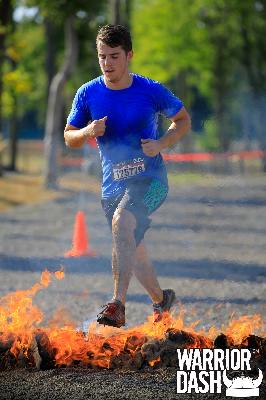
[159, 308]
[113, 314]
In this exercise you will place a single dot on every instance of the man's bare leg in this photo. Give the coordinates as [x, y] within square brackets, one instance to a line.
[146, 275]
[143, 271]
[126, 258]
[124, 251]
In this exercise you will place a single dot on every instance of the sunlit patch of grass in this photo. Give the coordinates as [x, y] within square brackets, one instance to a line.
[181, 178]
[80, 181]
[17, 189]
[26, 186]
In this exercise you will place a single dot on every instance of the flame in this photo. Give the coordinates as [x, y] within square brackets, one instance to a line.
[154, 362]
[19, 317]
[60, 274]
[20, 320]
[244, 326]
[17, 313]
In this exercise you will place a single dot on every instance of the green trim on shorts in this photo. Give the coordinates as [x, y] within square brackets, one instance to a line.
[154, 196]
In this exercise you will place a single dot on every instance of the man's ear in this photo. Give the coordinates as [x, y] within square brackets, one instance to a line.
[130, 55]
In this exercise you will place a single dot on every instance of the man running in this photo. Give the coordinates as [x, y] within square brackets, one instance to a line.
[120, 109]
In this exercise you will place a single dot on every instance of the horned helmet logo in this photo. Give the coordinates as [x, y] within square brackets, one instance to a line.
[242, 386]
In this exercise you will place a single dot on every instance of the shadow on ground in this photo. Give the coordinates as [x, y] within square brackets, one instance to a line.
[200, 269]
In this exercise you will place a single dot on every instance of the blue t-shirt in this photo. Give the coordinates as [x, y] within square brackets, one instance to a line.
[132, 115]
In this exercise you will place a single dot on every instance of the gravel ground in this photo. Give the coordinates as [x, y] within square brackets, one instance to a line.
[207, 242]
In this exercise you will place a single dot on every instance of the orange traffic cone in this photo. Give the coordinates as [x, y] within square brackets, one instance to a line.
[80, 245]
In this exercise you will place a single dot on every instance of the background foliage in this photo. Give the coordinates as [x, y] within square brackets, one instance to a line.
[211, 53]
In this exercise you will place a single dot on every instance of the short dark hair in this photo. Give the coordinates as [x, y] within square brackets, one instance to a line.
[115, 35]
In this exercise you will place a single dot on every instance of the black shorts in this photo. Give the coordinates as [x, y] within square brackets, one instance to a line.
[142, 197]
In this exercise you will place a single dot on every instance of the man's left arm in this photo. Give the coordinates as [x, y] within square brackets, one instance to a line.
[181, 124]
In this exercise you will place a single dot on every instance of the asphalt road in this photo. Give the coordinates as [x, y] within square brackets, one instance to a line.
[207, 242]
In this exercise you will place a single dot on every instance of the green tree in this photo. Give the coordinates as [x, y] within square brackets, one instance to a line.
[66, 14]
[172, 45]
[252, 17]
[23, 62]
[222, 26]
[215, 46]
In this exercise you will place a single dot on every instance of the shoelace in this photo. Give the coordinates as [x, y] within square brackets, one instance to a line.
[106, 306]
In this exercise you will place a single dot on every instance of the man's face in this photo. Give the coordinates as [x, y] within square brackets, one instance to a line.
[113, 62]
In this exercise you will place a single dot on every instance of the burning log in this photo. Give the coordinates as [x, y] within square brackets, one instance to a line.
[7, 359]
[30, 352]
[131, 356]
[133, 352]
[29, 357]
[255, 342]
[137, 361]
[223, 341]
[122, 360]
[263, 347]
[163, 352]
[168, 357]
[46, 352]
[151, 350]
[257, 346]
[183, 339]
[13, 353]
[5, 342]
[112, 357]
[134, 343]
[23, 345]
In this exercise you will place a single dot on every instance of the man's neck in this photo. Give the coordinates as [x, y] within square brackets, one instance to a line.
[123, 83]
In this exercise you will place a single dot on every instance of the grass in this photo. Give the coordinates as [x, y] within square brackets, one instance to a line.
[18, 189]
[26, 186]
[182, 178]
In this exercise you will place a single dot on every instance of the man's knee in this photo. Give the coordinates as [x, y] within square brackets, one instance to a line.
[123, 223]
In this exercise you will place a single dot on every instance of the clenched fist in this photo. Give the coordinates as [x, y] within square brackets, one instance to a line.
[151, 147]
[97, 127]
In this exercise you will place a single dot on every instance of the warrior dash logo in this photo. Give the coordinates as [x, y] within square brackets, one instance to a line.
[204, 371]
[242, 386]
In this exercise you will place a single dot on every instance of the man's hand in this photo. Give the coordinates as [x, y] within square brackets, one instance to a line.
[151, 147]
[96, 128]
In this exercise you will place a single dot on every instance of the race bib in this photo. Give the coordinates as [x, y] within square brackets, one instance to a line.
[127, 169]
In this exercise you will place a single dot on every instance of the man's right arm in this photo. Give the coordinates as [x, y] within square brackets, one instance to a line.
[75, 137]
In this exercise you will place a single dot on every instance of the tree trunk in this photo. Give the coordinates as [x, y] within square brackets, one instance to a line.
[187, 143]
[55, 106]
[115, 12]
[260, 121]
[128, 7]
[255, 81]
[5, 19]
[50, 53]
[120, 12]
[13, 137]
[13, 120]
